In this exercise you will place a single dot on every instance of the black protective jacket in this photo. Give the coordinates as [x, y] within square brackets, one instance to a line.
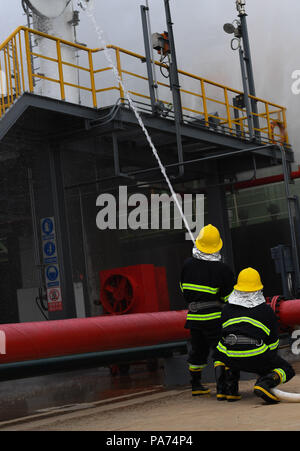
[206, 286]
[258, 322]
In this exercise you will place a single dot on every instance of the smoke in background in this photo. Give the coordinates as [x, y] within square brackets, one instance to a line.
[202, 46]
[204, 49]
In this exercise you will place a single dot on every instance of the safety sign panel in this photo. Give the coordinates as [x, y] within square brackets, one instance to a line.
[48, 228]
[54, 299]
[49, 252]
[52, 276]
[50, 259]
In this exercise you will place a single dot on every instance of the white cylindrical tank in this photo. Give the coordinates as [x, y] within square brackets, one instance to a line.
[54, 18]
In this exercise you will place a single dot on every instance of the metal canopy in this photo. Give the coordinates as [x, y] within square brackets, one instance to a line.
[40, 118]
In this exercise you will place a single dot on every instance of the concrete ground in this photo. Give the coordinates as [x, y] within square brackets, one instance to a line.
[159, 409]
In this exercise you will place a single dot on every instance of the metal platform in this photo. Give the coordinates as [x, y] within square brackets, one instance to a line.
[35, 119]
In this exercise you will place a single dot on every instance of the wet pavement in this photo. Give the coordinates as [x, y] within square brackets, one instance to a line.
[71, 390]
[85, 388]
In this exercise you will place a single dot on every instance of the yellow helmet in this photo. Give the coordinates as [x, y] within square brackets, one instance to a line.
[248, 280]
[209, 240]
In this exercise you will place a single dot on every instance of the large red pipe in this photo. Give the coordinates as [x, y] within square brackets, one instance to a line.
[41, 340]
[289, 312]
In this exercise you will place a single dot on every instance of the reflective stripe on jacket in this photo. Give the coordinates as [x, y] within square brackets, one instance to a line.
[259, 323]
[207, 282]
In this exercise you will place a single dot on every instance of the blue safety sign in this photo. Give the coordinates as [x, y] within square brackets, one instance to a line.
[52, 273]
[47, 226]
[49, 251]
[50, 259]
[49, 248]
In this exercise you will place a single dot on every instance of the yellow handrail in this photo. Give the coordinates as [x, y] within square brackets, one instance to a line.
[18, 76]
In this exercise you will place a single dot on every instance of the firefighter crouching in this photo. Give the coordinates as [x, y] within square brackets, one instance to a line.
[250, 340]
[206, 283]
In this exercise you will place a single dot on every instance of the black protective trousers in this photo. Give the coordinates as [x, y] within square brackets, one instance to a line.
[261, 364]
[202, 341]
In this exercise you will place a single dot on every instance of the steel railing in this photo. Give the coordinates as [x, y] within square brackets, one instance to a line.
[203, 101]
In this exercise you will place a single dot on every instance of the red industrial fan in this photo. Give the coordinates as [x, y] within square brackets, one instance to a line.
[118, 294]
[134, 289]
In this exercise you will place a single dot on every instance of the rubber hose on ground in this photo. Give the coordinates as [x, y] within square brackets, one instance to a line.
[285, 396]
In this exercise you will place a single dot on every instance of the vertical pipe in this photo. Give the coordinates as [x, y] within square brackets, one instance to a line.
[148, 58]
[246, 93]
[291, 222]
[116, 154]
[173, 64]
[36, 245]
[62, 233]
[175, 87]
[249, 68]
[152, 53]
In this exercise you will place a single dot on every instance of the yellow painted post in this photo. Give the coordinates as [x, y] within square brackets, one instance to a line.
[60, 71]
[119, 67]
[10, 95]
[285, 125]
[2, 91]
[204, 102]
[92, 75]
[269, 122]
[227, 109]
[21, 61]
[28, 57]
[15, 66]
[6, 78]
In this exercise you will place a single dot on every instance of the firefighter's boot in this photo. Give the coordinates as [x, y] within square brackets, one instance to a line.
[263, 386]
[197, 388]
[220, 375]
[232, 385]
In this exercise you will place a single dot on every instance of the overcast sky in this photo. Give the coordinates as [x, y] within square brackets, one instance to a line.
[202, 46]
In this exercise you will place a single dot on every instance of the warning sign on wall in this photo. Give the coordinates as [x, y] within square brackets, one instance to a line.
[54, 299]
[50, 258]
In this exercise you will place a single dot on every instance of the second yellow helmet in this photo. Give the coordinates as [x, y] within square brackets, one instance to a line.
[249, 280]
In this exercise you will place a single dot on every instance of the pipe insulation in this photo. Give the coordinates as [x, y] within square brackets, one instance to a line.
[41, 340]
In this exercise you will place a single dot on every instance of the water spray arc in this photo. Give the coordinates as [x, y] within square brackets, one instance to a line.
[89, 8]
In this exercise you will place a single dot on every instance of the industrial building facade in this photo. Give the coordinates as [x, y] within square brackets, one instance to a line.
[68, 134]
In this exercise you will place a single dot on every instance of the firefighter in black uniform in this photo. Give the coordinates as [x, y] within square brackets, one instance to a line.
[250, 340]
[206, 283]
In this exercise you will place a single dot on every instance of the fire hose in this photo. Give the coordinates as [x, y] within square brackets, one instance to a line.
[286, 396]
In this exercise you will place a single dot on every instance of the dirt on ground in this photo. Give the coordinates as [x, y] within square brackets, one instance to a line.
[158, 409]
